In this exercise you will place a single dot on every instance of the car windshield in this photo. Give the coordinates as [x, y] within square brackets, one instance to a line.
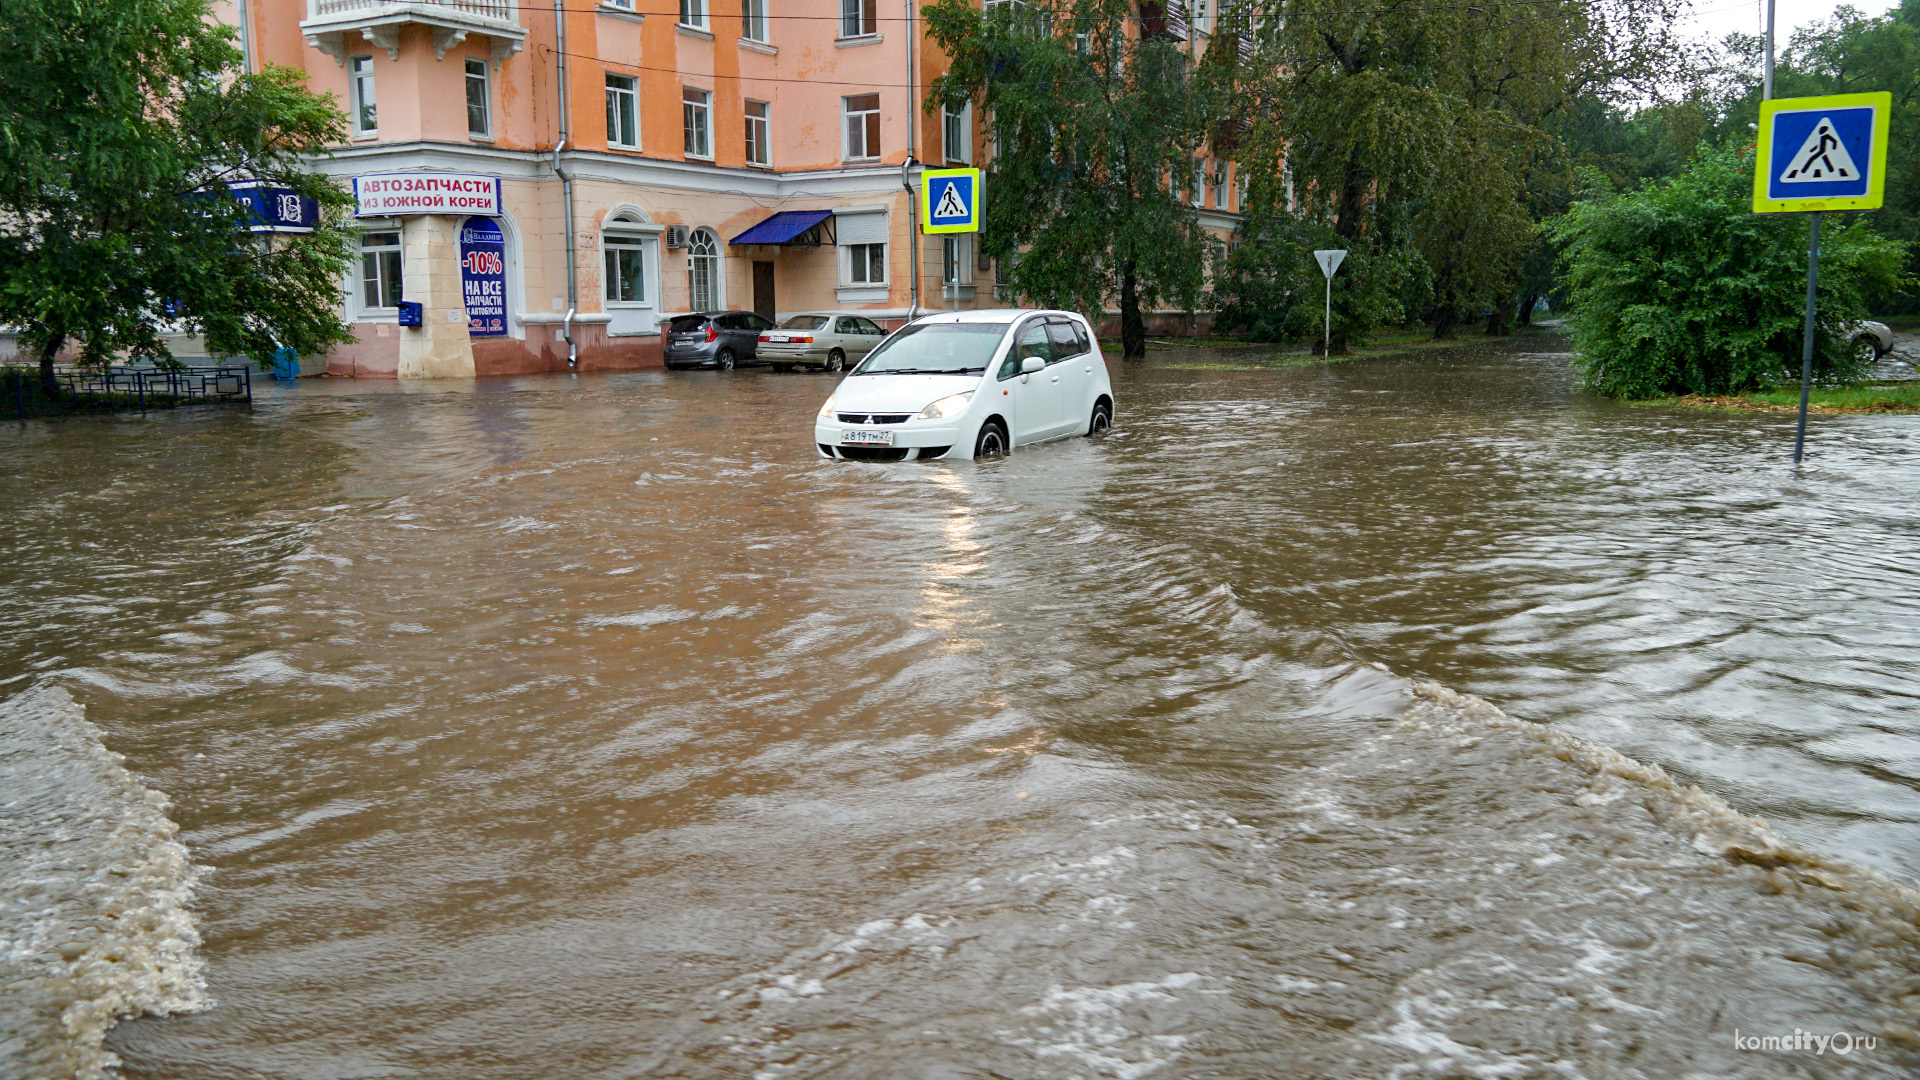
[804, 322]
[684, 324]
[935, 349]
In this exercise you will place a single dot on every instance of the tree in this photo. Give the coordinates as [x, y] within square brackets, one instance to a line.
[1417, 134]
[1095, 133]
[1680, 288]
[122, 125]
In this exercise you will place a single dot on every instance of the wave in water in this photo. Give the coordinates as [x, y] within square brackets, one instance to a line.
[94, 919]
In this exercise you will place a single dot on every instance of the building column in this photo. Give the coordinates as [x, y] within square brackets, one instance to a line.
[440, 347]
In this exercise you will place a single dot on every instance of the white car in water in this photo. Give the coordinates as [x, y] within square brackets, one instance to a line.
[970, 384]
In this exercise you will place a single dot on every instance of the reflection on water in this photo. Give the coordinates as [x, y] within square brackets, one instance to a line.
[594, 727]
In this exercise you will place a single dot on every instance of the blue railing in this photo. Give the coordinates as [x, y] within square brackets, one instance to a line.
[114, 389]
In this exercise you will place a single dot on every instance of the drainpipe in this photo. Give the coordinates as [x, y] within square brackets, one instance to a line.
[246, 36]
[913, 149]
[566, 183]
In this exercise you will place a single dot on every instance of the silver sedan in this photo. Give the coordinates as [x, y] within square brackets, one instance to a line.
[830, 340]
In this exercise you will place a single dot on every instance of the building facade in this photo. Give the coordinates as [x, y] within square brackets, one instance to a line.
[552, 183]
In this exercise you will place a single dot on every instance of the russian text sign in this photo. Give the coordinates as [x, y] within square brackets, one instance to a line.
[1822, 153]
[483, 276]
[389, 194]
[950, 200]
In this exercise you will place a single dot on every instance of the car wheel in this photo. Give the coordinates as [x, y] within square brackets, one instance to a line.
[1102, 421]
[1866, 350]
[836, 360]
[724, 361]
[992, 440]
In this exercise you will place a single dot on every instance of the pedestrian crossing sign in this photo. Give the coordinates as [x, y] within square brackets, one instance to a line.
[1822, 153]
[950, 200]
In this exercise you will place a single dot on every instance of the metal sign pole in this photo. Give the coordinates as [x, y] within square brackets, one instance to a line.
[1326, 346]
[1806, 345]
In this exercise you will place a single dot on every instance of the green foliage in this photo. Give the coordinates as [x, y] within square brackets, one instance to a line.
[1089, 121]
[1426, 139]
[1680, 288]
[121, 125]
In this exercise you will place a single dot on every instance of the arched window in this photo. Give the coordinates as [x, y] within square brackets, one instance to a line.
[703, 270]
[626, 260]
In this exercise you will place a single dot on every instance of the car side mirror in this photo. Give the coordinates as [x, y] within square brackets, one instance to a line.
[1031, 364]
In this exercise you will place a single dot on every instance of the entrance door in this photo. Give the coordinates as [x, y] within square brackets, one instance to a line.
[763, 290]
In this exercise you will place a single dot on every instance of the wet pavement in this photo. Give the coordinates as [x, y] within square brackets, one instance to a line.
[596, 727]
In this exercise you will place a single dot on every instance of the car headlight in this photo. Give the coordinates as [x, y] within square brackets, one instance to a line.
[952, 405]
[826, 411]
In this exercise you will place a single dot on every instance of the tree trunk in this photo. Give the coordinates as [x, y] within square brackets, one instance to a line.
[1443, 321]
[1528, 301]
[1133, 328]
[1500, 320]
[47, 353]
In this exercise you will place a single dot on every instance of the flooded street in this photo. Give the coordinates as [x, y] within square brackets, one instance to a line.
[597, 728]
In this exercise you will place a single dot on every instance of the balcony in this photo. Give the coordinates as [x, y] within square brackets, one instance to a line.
[336, 27]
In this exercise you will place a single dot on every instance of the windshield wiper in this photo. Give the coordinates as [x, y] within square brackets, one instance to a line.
[925, 371]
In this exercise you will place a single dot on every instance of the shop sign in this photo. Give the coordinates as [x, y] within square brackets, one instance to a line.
[483, 276]
[276, 209]
[388, 194]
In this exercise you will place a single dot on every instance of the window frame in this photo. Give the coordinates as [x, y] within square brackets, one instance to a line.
[696, 120]
[363, 96]
[693, 15]
[614, 244]
[630, 93]
[861, 256]
[717, 289]
[753, 15]
[869, 128]
[374, 271]
[956, 259]
[484, 76]
[859, 19]
[764, 124]
[963, 121]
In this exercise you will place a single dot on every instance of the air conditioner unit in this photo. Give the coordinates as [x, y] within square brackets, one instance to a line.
[676, 236]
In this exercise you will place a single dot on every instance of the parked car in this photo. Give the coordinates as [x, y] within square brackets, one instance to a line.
[829, 340]
[1871, 340]
[715, 339]
[970, 384]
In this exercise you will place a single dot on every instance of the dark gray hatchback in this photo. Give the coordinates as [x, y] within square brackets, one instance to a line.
[715, 339]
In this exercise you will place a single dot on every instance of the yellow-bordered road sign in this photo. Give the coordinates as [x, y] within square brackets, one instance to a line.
[950, 200]
[1822, 153]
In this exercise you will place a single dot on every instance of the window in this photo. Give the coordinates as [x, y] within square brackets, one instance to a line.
[1198, 190]
[626, 277]
[956, 259]
[703, 270]
[866, 264]
[697, 110]
[957, 134]
[361, 80]
[478, 122]
[693, 13]
[1068, 339]
[858, 18]
[759, 150]
[623, 112]
[380, 270]
[623, 5]
[863, 127]
[753, 20]
[1219, 185]
[1033, 341]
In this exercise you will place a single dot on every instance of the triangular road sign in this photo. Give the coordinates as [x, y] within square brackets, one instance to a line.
[1823, 158]
[951, 205]
[1329, 259]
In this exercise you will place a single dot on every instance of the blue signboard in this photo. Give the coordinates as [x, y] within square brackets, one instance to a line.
[483, 276]
[276, 209]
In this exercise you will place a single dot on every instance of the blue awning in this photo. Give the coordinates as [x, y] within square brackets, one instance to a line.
[783, 226]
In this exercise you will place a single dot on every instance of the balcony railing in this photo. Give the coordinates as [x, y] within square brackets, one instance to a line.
[330, 24]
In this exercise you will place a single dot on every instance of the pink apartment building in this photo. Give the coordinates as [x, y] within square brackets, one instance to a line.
[536, 173]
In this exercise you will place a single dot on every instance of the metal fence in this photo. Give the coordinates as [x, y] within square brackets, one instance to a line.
[118, 389]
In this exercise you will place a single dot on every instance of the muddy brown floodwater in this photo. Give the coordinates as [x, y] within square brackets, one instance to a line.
[596, 728]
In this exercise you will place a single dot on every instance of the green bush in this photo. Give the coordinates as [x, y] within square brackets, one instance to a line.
[1271, 289]
[1680, 288]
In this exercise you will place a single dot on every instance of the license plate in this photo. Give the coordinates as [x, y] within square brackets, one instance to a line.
[777, 339]
[856, 437]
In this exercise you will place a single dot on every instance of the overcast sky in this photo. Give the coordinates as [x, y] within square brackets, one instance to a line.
[1718, 18]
